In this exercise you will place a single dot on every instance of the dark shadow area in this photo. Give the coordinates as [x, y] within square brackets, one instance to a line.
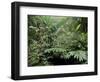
[62, 61]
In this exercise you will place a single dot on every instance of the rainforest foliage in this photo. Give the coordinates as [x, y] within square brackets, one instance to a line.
[57, 40]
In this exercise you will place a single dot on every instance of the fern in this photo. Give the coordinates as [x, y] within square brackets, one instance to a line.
[58, 50]
[80, 55]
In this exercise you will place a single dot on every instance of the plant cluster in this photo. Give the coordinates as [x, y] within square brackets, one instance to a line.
[57, 40]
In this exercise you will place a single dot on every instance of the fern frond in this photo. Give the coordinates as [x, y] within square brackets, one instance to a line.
[80, 55]
[56, 50]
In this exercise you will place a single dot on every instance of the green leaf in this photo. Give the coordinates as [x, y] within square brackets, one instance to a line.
[80, 55]
[77, 28]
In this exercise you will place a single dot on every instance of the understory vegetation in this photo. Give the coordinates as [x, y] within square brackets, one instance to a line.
[57, 40]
